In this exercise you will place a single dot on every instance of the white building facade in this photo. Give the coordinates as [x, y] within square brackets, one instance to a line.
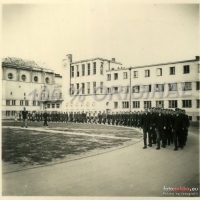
[29, 84]
[100, 84]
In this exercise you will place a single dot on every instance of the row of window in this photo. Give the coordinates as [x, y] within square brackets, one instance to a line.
[53, 105]
[21, 103]
[159, 104]
[23, 78]
[80, 88]
[186, 70]
[84, 69]
[160, 87]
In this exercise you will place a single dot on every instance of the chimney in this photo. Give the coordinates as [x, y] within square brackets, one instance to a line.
[69, 56]
[113, 59]
[197, 57]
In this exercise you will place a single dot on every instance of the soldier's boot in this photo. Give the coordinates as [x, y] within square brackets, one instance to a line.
[158, 143]
[145, 143]
[176, 146]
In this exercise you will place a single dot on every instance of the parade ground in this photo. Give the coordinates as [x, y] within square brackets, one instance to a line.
[76, 159]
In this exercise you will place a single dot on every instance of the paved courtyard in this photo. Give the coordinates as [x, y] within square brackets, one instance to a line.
[97, 160]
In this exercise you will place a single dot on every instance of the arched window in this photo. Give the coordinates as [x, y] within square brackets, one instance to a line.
[35, 78]
[47, 79]
[23, 77]
[10, 76]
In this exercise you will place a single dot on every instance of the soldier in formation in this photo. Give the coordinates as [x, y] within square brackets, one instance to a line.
[161, 127]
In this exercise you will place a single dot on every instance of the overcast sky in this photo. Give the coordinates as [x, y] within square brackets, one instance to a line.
[134, 34]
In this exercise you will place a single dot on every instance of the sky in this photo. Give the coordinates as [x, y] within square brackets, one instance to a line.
[133, 34]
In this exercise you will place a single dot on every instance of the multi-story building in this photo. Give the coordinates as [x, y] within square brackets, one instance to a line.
[29, 84]
[99, 84]
[84, 82]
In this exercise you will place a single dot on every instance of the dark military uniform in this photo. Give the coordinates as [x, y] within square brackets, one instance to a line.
[45, 116]
[152, 132]
[159, 128]
[177, 130]
[145, 127]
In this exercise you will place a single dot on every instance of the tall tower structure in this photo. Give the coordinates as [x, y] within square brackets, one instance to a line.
[66, 80]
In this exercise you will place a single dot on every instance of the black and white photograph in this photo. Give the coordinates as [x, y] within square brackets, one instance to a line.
[100, 99]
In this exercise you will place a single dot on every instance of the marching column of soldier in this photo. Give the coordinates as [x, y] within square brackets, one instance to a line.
[160, 126]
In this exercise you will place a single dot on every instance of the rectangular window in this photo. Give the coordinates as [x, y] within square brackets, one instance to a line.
[186, 69]
[197, 85]
[53, 105]
[147, 73]
[198, 103]
[26, 102]
[94, 87]
[101, 68]
[159, 72]
[77, 88]
[83, 70]
[159, 104]
[125, 89]
[173, 104]
[8, 102]
[7, 113]
[88, 65]
[10, 93]
[135, 74]
[101, 87]
[34, 103]
[136, 104]
[108, 90]
[147, 104]
[13, 102]
[115, 76]
[72, 71]
[159, 87]
[94, 68]
[186, 86]
[135, 89]
[172, 86]
[125, 75]
[115, 105]
[115, 89]
[83, 88]
[77, 70]
[88, 87]
[38, 103]
[108, 77]
[125, 104]
[48, 105]
[72, 89]
[147, 88]
[190, 118]
[198, 118]
[57, 105]
[172, 70]
[21, 102]
[187, 103]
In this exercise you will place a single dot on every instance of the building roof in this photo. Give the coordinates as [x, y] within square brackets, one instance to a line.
[168, 63]
[58, 75]
[153, 65]
[92, 59]
[25, 64]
